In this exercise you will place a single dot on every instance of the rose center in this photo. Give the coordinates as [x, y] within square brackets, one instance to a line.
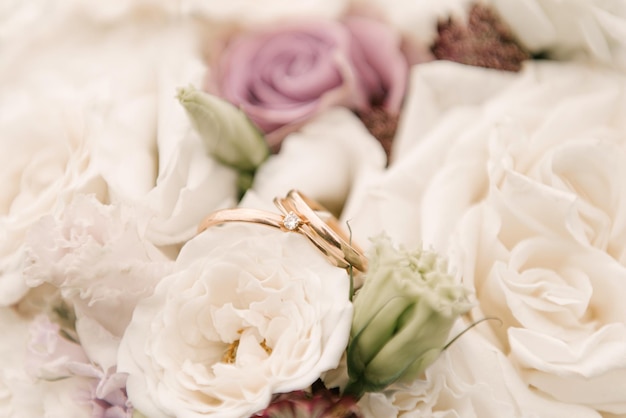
[230, 355]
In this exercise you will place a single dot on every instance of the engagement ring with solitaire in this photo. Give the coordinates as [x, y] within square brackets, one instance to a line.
[305, 216]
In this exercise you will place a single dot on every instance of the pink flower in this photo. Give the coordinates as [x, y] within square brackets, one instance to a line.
[319, 403]
[282, 77]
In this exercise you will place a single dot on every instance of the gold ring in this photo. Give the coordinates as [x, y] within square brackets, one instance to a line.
[303, 215]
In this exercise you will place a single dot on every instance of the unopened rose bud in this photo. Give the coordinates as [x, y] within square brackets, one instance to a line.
[402, 317]
[226, 131]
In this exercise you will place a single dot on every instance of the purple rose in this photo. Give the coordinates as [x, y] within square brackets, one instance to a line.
[282, 77]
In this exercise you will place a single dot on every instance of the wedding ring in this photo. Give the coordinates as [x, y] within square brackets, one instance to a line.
[303, 215]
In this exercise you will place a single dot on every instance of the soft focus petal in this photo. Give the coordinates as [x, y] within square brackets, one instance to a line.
[339, 152]
[252, 12]
[570, 29]
[381, 68]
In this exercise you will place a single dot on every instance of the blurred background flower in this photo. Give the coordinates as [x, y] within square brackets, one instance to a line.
[282, 76]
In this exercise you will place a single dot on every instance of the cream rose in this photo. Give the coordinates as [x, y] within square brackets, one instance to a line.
[545, 248]
[148, 151]
[567, 29]
[417, 19]
[138, 138]
[45, 162]
[472, 379]
[99, 258]
[249, 311]
[521, 183]
[339, 151]
[250, 11]
[444, 98]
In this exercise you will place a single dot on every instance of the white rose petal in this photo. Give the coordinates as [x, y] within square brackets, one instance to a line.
[100, 260]
[471, 379]
[249, 311]
[174, 177]
[521, 184]
[542, 237]
[323, 160]
[443, 100]
[48, 164]
[418, 18]
[569, 28]
[251, 11]
[124, 78]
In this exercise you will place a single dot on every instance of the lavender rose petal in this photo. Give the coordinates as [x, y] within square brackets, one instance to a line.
[380, 65]
[283, 77]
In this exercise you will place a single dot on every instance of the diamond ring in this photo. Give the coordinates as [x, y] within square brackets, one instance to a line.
[303, 215]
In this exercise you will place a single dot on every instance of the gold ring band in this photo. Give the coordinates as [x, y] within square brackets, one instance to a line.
[303, 215]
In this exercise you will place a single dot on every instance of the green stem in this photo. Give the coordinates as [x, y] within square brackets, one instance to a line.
[355, 388]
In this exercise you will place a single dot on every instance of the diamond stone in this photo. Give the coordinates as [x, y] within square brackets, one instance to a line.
[291, 221]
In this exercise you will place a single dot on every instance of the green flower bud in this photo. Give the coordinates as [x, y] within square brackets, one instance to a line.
[402, 317]
[226, 131]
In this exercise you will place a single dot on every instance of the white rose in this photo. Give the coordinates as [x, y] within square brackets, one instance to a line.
[569, 28]
[545, 248]
[126, 76]
[18, 18]
[174, 179]
[522, 186]
[251, 11]
[443, 99]
[116, 10]
[417, 19]
[98, 257]
[338, 149]
[472, 379]
[249, 311]
[45, 162]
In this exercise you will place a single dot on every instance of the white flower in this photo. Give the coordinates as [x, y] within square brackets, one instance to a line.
[45, 161]
[251, 11]
[249, 311]
[15, 384]
[338, 151]
[148, 151]
[22, 396]
[472, 379]
[442, 101]
[569, 28]
[522, 184]
[417, 19]
[62, 367]
[123, 79]
[99, 258]
[546, 249]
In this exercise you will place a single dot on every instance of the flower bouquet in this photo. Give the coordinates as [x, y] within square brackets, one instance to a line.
[331, 208]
